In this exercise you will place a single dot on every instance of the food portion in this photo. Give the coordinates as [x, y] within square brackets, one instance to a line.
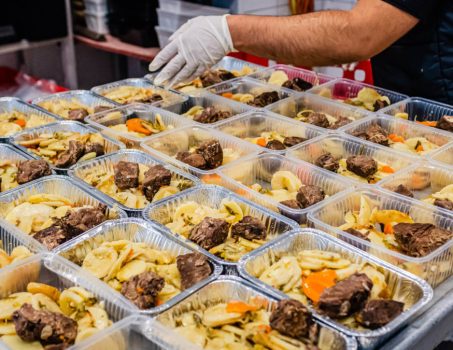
[275, 141]
[72, 109]
[134, 184]
[361, 168]
[369, 99]
[207, 115]
[281, 78]
[444, 123]
[14, 121]
[355, 294]
[227, 231]
[287, 189]
[53, 219]
[322, 120]
[377, 134]
[45, 318]
[63, 149]
[442, 198]
[130, 94]
[146, 275]
[250, 325]
[213, 76]
[18, 253]
[207, 155]
[140, 128]
[394, 230]
[13, 174]
[256, 97]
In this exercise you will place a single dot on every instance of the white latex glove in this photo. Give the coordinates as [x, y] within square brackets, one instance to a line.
[197, 45]
[349, 66]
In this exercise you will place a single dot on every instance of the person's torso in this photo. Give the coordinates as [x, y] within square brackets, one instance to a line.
[421, 62]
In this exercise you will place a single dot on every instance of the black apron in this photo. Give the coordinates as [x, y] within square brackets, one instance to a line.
[421, 63]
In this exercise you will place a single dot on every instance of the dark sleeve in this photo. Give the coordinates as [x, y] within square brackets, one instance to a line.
[421, 9]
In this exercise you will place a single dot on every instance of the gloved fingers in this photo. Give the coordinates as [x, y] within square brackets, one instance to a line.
[198, 72]
[170, 70]
[164, 56]
[184, 75]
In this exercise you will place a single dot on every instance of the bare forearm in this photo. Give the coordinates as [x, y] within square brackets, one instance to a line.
[323, 38]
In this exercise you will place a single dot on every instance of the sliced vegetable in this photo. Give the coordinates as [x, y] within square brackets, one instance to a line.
[396, 138]
[261, 142]
[387, 169]
[388, 228]
[20, 122]
[240, 307]
[135, 124]
[316, 282]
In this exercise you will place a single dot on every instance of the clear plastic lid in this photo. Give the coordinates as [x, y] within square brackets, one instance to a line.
[403, 287]
[434, 267]
[253, 124]
[167, 145]
[109, 123]
[239, 176]
[444, 156]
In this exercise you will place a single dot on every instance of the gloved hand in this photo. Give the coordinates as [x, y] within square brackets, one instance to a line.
[193, 48]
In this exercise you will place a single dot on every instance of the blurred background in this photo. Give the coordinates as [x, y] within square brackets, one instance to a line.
[53, 45]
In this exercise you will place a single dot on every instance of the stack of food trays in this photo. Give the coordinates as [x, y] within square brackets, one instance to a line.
[286, 148]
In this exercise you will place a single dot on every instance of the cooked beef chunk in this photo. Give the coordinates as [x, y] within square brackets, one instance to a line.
[309, 195]
[249, 228]
[143, 288]
[78, 221]
[51, 237]
[30, 170]
[403, 190]
[212, 153]
[44, 326]
[297, 84]
[264, 99]
[193, 268]
[195, 160]
[292, 203]
[212, 115]
[69, 157]
[444, 203]
[215, 76]
[77, 114]
[126, 175]
[291, 318]
[363, 166]
[379, 104]
[318, 119]
[209, 233]
[420, 239]
[341, 121]
[149, 99]
[291, 141]
[328, 162]
[99, 109]
[275, 145]
[345, 297]
[377, 313]
[155, 177]
[357, 234]
[95, 147]
[374, 133]
[445, 123]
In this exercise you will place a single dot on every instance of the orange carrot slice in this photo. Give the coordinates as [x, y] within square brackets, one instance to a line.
[20, 122]
[315, 283]
[240, 307]
[135, 124]
[388, 228]
[387, 169]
